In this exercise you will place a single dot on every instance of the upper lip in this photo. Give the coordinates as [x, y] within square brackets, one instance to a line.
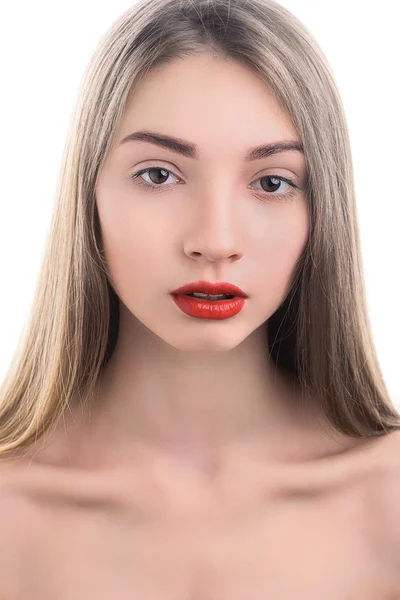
[206, 287]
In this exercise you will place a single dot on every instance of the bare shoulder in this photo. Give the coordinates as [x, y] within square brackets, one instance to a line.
[13, 523]
[8, 495]
[14, 519]
[17, 512]
[385, 495]
[14, 503]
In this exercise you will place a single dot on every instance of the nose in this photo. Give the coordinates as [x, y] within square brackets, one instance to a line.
[215, 233]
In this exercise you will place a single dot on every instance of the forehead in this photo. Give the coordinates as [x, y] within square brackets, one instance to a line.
[215, 101]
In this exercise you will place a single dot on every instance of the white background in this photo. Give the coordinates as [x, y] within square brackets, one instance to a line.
[44, 49]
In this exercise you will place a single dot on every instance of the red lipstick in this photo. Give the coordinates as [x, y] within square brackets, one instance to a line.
[206, 307]
[205, 287]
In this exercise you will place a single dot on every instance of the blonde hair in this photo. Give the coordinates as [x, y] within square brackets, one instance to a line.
[320, 334]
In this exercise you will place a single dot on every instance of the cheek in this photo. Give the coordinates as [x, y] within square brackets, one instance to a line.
[282, 246]
[132, 253]
[290, 235]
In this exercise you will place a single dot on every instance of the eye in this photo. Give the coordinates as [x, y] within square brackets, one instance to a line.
[158, 176]
[279, 181]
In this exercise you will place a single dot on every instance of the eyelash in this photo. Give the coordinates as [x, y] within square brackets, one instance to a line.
[159, 188]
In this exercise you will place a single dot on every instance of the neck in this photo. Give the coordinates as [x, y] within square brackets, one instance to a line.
[192, 403]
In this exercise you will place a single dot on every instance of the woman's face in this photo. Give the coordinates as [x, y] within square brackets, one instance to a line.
[209, 214]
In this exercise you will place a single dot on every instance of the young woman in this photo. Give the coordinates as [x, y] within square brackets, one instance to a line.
[197, 409]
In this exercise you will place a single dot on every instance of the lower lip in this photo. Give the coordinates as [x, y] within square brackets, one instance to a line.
[209, 309]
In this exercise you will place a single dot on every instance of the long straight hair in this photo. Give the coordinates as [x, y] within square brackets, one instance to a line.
[320, 334]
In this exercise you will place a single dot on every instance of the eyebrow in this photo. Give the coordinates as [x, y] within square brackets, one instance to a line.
[191, 150]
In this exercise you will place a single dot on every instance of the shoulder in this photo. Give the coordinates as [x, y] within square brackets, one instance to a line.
[11, 525]
[18, 523]
[12, 500]
[17, 510]
[385, 495]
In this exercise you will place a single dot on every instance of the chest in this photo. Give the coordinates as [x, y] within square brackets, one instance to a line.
[285, 550]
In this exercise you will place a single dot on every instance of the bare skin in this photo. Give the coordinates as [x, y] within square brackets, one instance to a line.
[198, 474]
[161, 530]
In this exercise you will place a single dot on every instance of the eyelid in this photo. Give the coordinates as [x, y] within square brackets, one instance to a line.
[160, 165]
[291, 179]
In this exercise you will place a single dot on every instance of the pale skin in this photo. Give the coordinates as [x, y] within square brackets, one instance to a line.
[197, 476]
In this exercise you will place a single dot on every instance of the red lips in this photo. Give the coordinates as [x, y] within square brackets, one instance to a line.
[205, 287]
